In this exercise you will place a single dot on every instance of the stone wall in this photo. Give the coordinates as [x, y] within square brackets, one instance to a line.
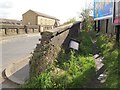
[21, 29]
[50, 45]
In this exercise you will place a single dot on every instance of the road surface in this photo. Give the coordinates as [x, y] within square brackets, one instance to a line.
[18, 48]
[15, 49]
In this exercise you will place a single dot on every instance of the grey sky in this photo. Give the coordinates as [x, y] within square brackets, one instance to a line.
[61, 9]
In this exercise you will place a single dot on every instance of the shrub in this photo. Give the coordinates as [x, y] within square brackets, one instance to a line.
[110, 52]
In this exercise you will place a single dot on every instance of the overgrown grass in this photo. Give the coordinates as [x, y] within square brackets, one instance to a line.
[111, 54]
[70, 70]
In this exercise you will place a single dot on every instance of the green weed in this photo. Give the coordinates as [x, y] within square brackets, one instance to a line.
[111, 54]
[70, 70]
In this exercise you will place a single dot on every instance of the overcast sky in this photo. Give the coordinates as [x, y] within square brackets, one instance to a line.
[61, 9]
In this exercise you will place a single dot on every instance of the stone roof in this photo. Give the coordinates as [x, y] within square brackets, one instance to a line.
[42, 14]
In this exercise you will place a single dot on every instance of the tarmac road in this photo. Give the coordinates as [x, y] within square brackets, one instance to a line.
[17, 48]
[13, 50]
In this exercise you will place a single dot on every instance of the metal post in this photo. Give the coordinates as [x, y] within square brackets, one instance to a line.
[95, 25]
[107, 25]
[98, 25]
[118, 33]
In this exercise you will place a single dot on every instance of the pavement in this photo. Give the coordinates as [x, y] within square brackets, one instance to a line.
[15, 74]
[18, 72]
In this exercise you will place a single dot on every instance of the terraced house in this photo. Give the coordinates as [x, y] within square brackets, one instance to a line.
[36, 18]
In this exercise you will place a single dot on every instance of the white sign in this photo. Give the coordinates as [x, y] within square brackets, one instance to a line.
[74, 45]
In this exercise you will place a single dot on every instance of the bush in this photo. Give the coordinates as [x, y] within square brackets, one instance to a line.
[111, 54]
[44, 80]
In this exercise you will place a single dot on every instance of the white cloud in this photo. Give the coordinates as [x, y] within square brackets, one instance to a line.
[5, 4]
[61, 9]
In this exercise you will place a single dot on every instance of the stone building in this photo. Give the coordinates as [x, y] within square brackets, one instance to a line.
[10, 22]
[36, 18]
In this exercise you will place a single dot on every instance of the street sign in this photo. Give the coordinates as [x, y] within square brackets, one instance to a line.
[103, 9]
[116, 16]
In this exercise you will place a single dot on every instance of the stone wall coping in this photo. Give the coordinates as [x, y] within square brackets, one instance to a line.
[58, 30]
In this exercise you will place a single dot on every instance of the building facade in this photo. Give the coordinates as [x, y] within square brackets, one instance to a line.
[36, 18]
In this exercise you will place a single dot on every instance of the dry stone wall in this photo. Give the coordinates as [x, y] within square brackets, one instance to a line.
[51, 43]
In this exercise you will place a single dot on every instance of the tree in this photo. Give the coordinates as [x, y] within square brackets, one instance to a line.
[87, 19]
[72, 20]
